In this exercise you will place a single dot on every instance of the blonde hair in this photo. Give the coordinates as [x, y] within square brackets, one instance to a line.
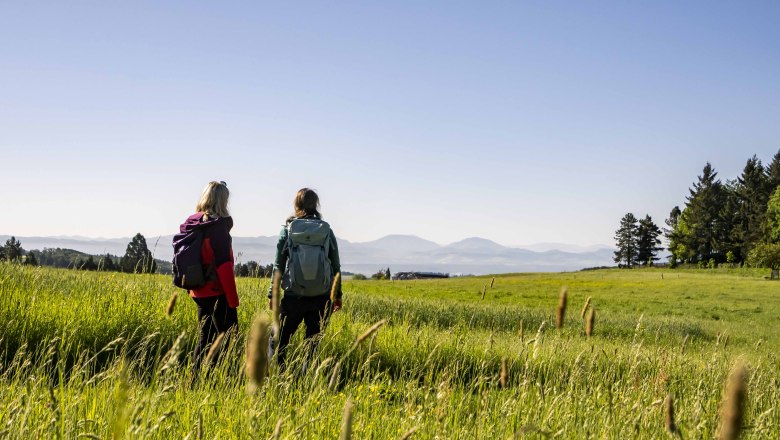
[214, 200]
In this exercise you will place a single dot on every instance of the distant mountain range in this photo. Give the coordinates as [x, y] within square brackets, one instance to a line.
[399, 252]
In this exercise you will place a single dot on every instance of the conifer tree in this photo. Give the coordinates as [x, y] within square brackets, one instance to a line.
[752, 194]
[626, 239]
[673, 235]
[12, 251]
[648, 241]
[706, 231]
[30, 259]
[773, 173]
[107, 263]
[138, 258]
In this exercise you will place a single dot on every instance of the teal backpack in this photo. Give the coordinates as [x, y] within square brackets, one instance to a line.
[308, 272]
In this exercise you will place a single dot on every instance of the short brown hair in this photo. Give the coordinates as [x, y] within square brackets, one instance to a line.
[307, 203]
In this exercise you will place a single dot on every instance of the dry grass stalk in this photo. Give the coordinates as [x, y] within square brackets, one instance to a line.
[521, 332]
[334, 377]
[216, 346]
[408, 434]
[334, 288]
[591, 321]
[726, 341]
[685, 341]
[171, 304]
[585, 308]
[492, 281]
[199, 427]
[278, 430]
[256, 367]
[733, 408]
[504, 373]
[484, 291]
[560, 312]
[367, 334]
[669, 415]
[275, 299]
[346, 421]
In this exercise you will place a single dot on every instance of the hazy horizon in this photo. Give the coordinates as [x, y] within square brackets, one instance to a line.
[518, 123]
[530, 246]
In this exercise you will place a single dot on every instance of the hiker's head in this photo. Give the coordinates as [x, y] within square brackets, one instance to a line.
[307, 203]
[214, 200]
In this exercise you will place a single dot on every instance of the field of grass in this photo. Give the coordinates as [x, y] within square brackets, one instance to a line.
[93, 355]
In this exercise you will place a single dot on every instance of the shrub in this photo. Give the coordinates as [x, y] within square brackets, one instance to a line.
[765, 255]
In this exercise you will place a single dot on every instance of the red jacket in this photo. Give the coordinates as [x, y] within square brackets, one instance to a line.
[217, 254]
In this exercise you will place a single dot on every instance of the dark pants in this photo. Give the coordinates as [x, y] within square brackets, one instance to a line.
[313, 311]
[214, 317]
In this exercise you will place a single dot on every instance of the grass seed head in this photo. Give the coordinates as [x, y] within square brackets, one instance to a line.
[216, 346]
[504, 373]
[669, 415]
[171, 304]
[256, 367]
[367, 334]
[334, 288]
[275, 299]
[591, 321]
[560, 313]
[408, 434]
[733, 407]
[346, 421]
[334, 377]
[585, 308]
[521, 331]
[492, 281]
[278, 430]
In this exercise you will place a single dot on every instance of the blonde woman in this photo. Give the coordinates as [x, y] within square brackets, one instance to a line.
[216, 298]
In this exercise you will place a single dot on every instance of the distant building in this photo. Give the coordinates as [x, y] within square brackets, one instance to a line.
[419, 275]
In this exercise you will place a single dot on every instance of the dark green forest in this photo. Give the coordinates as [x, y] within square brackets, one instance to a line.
[734, 222]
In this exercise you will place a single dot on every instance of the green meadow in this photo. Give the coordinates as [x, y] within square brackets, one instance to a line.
[94, 355]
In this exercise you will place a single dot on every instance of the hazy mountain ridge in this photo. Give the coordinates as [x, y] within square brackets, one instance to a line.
[473, 255]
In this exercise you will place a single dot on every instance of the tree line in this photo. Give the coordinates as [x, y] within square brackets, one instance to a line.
[137, 259]
[736, 221]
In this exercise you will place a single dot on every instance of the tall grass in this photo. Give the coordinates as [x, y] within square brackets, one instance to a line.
[94, 354]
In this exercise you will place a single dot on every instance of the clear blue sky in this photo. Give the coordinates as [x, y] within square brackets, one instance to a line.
[518, 122]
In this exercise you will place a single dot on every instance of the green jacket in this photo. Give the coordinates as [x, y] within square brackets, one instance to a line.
[282, 255]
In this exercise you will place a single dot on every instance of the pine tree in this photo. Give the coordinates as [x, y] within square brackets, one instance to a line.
[90, 264]
[138, 258]
[648, 241]
[729, 215]
[752, 194]
[705, 230]
[107, 263]
[626, 239]
[672, 234]
[253, 269]
[773, 173]
[12, 251]
[30, 259]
